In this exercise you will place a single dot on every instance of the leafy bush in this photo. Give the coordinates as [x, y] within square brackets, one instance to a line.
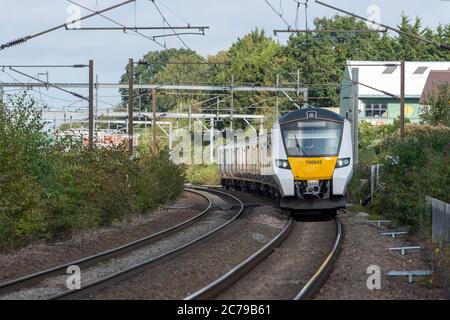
[413, 169]
[371, 143]
[203, 174]
[165, 178]
[437, 110]
[50, 187]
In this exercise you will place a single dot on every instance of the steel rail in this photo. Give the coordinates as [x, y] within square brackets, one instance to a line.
[129, 272]
[10, 286]
[315, 283]
[231, 277]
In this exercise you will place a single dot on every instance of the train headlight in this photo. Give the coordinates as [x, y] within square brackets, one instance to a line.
[283, 164]
[341, 163]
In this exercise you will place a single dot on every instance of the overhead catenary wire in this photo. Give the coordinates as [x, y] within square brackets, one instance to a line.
[401, 32]
[72, 102]
[167, 22]
[49, 84]
[176, 14]
[297, 16]
[373, 88]
[125, 28]
[164, 46]
[278, 13]
[22, 40]
[46, 66]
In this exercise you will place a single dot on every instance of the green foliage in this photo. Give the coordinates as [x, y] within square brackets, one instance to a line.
[413, 169]
[321, 58]
[372, 136]
[253, 59]
[51, 187]
[165, 178]
[437, 109]
[22, 167]
[410, 170]
[203, 175]
[371, 142]
[256, 59]
[359, 186]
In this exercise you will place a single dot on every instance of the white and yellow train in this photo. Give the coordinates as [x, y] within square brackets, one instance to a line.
[306, 161]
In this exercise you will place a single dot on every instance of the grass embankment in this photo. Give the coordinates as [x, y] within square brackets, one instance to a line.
[50, 187]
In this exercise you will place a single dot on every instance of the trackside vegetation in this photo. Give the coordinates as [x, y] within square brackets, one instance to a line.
[50, 186]
[411, 169]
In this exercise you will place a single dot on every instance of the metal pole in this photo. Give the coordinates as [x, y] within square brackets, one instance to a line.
[298, 83]
[211, 141]
[277, 103]
[218, 108]
[96, 98]
[140, 95]
[91, 104]
[1, 94]
[170, 137]
[190, 120]
[402, 99]
[305, 99]
[355, 118]
[232, 101]
[154, 123]
[130, 105]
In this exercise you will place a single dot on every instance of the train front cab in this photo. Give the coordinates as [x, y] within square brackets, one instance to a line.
[313, 160]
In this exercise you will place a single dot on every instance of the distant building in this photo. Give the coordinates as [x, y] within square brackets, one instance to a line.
[375, 106]
[435, 78]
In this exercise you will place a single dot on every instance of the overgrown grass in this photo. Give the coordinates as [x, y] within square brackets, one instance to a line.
[51, 187]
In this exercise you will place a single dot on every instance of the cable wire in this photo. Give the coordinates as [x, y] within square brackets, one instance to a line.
[278, 14]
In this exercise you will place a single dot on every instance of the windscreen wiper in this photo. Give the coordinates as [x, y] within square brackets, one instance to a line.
[301, 151]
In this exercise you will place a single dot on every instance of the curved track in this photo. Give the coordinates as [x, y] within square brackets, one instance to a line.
[33, 279]
[228, 279]
[308, 290]
[312, 287]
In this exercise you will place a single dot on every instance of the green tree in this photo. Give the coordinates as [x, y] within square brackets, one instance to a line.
[321, 57]
[162, 67]
[255, 59]
[437, 106]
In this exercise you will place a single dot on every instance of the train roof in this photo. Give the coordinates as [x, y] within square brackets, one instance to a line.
[311, 113]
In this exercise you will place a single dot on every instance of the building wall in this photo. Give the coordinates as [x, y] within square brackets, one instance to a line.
[412, 108]
[345, 100]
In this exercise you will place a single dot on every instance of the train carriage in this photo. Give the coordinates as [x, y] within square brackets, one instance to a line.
[306, 161]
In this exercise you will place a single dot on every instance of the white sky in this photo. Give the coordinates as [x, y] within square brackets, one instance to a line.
[228, 20]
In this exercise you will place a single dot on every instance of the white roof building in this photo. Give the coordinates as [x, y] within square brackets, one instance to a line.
[384, 76]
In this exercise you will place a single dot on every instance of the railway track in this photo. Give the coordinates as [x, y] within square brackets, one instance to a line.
[308, 291]
[312, 287]
[34, 281]
[210, 291]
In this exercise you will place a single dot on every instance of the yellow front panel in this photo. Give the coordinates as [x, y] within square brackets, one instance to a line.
[313, 168]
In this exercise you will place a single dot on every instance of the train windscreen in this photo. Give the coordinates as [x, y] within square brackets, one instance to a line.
[312, 138]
